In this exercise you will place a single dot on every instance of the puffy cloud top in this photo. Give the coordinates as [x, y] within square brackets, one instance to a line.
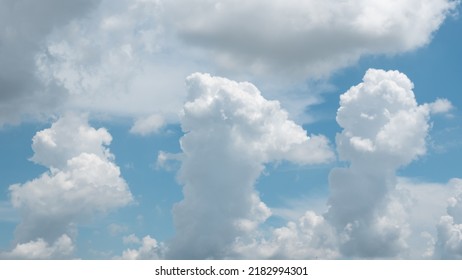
[253, 124]
[381, 119]
[69, 137]
[83, 181]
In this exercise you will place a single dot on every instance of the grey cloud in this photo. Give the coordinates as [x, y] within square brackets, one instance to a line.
[300, 38]
[25, 25]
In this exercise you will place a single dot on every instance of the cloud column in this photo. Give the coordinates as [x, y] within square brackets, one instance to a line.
[231, 131]
[383, 130]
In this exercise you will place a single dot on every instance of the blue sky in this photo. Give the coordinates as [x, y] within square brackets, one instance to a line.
[309, 130]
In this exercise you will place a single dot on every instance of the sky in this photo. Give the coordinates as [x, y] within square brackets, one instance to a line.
[154, 129]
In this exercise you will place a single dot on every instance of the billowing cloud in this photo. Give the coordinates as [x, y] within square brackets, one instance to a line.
[304, 37]
[372, 213]
[231, 131]
[383, 129]
[25, 25]
[82, 183]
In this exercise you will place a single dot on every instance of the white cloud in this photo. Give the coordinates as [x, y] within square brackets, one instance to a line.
[311, 237]
[69, 137]
[441, 106]
[231, 131]
[38, 249]
[148, 125]
[448, 243]
[82, 183]
[131, 239]
[371, 213]
[427, 203]
[304, 37]
[149, 249]
[167, 161]
[383, 129]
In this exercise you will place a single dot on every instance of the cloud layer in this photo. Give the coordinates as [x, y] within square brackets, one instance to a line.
[129, 57]
[304, 37]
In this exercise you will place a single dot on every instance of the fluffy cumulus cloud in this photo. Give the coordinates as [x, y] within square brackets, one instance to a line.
[383, 129]
[82, 183]
[25, 25]
[305, 37]
[372, 213]
[231, 131]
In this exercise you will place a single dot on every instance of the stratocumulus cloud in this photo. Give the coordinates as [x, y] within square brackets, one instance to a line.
[128, 58]
[305, 37]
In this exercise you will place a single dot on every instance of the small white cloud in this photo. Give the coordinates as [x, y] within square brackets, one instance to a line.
[131, 239]
[441, 106]
[38, 249]
[149, 249]
[166, 160]
[148, 125]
